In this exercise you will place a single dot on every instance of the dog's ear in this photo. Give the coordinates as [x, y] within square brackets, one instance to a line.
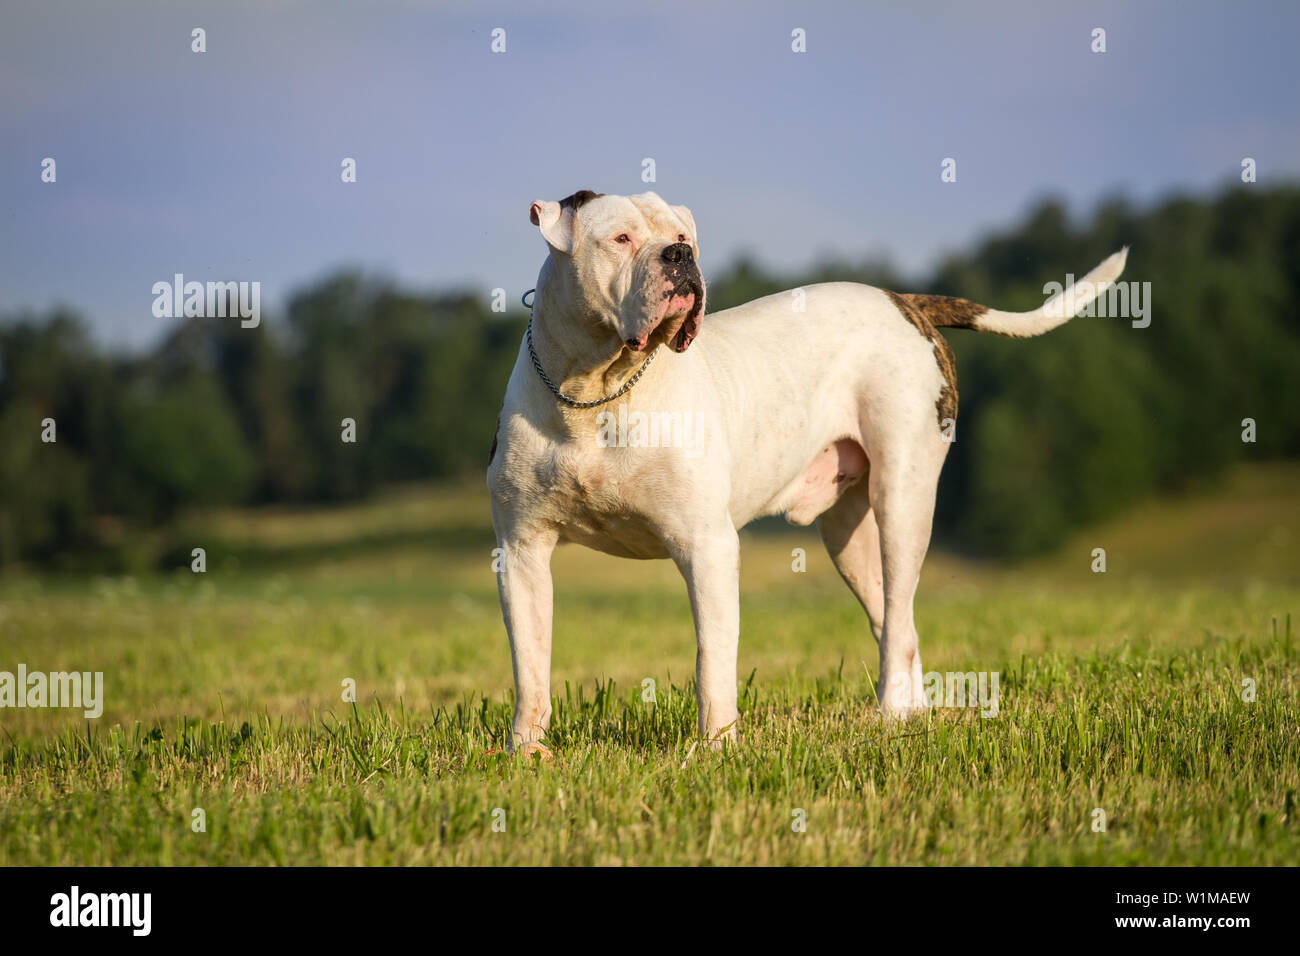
[555, 222]
[685, 216]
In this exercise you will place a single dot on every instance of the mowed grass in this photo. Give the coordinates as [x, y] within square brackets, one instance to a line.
[1120, 694]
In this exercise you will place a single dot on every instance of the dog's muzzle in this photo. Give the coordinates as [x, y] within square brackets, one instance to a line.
[681, 303]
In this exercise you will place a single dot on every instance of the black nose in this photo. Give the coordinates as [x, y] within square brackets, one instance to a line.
[678, 252]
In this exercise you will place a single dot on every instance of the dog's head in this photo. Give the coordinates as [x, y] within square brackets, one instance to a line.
[631, 260]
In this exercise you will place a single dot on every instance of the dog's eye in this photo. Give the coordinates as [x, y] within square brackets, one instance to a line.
[622, 237]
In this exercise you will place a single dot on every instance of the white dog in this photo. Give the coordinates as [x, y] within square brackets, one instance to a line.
[833, 401]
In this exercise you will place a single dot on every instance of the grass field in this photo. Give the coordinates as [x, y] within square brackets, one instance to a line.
[1119, 692]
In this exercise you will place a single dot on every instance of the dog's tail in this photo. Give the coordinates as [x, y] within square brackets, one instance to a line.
[947, 312]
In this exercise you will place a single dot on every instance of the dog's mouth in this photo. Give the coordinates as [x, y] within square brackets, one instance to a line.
[692, 292]
[677, 316]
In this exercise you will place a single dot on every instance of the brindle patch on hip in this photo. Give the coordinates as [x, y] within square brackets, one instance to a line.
[946, 405]
[946, 311]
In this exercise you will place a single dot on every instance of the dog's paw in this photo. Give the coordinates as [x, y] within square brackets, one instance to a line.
[725, 737]
[888, 711]
[540, 750]
[901, 698]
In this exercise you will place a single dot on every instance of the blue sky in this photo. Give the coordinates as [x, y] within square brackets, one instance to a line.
[225, 165]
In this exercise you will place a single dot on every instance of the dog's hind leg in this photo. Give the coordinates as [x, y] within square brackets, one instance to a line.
[852, 538]
[903, 487]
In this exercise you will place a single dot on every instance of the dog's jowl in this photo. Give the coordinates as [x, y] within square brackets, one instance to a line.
[783, 405]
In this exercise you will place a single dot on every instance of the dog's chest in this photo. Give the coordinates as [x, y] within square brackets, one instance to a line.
[600, 498]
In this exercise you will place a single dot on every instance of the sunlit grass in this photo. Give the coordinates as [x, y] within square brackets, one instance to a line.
[1120, 692]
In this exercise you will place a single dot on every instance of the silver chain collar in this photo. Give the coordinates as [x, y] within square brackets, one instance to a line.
[555, 389]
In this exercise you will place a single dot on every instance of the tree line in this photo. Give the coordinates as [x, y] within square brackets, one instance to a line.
[1052, 433]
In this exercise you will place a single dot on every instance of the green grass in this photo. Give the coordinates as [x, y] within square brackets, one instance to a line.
[1120, 691]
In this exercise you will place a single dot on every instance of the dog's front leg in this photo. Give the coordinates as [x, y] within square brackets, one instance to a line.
[524, 583]
[711, 567]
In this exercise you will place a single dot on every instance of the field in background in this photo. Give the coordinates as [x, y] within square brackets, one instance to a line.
[1120, 692]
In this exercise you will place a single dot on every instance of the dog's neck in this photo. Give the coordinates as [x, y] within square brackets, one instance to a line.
[580, 354]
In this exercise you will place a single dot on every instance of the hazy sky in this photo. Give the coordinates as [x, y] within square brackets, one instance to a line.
[225, 164]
